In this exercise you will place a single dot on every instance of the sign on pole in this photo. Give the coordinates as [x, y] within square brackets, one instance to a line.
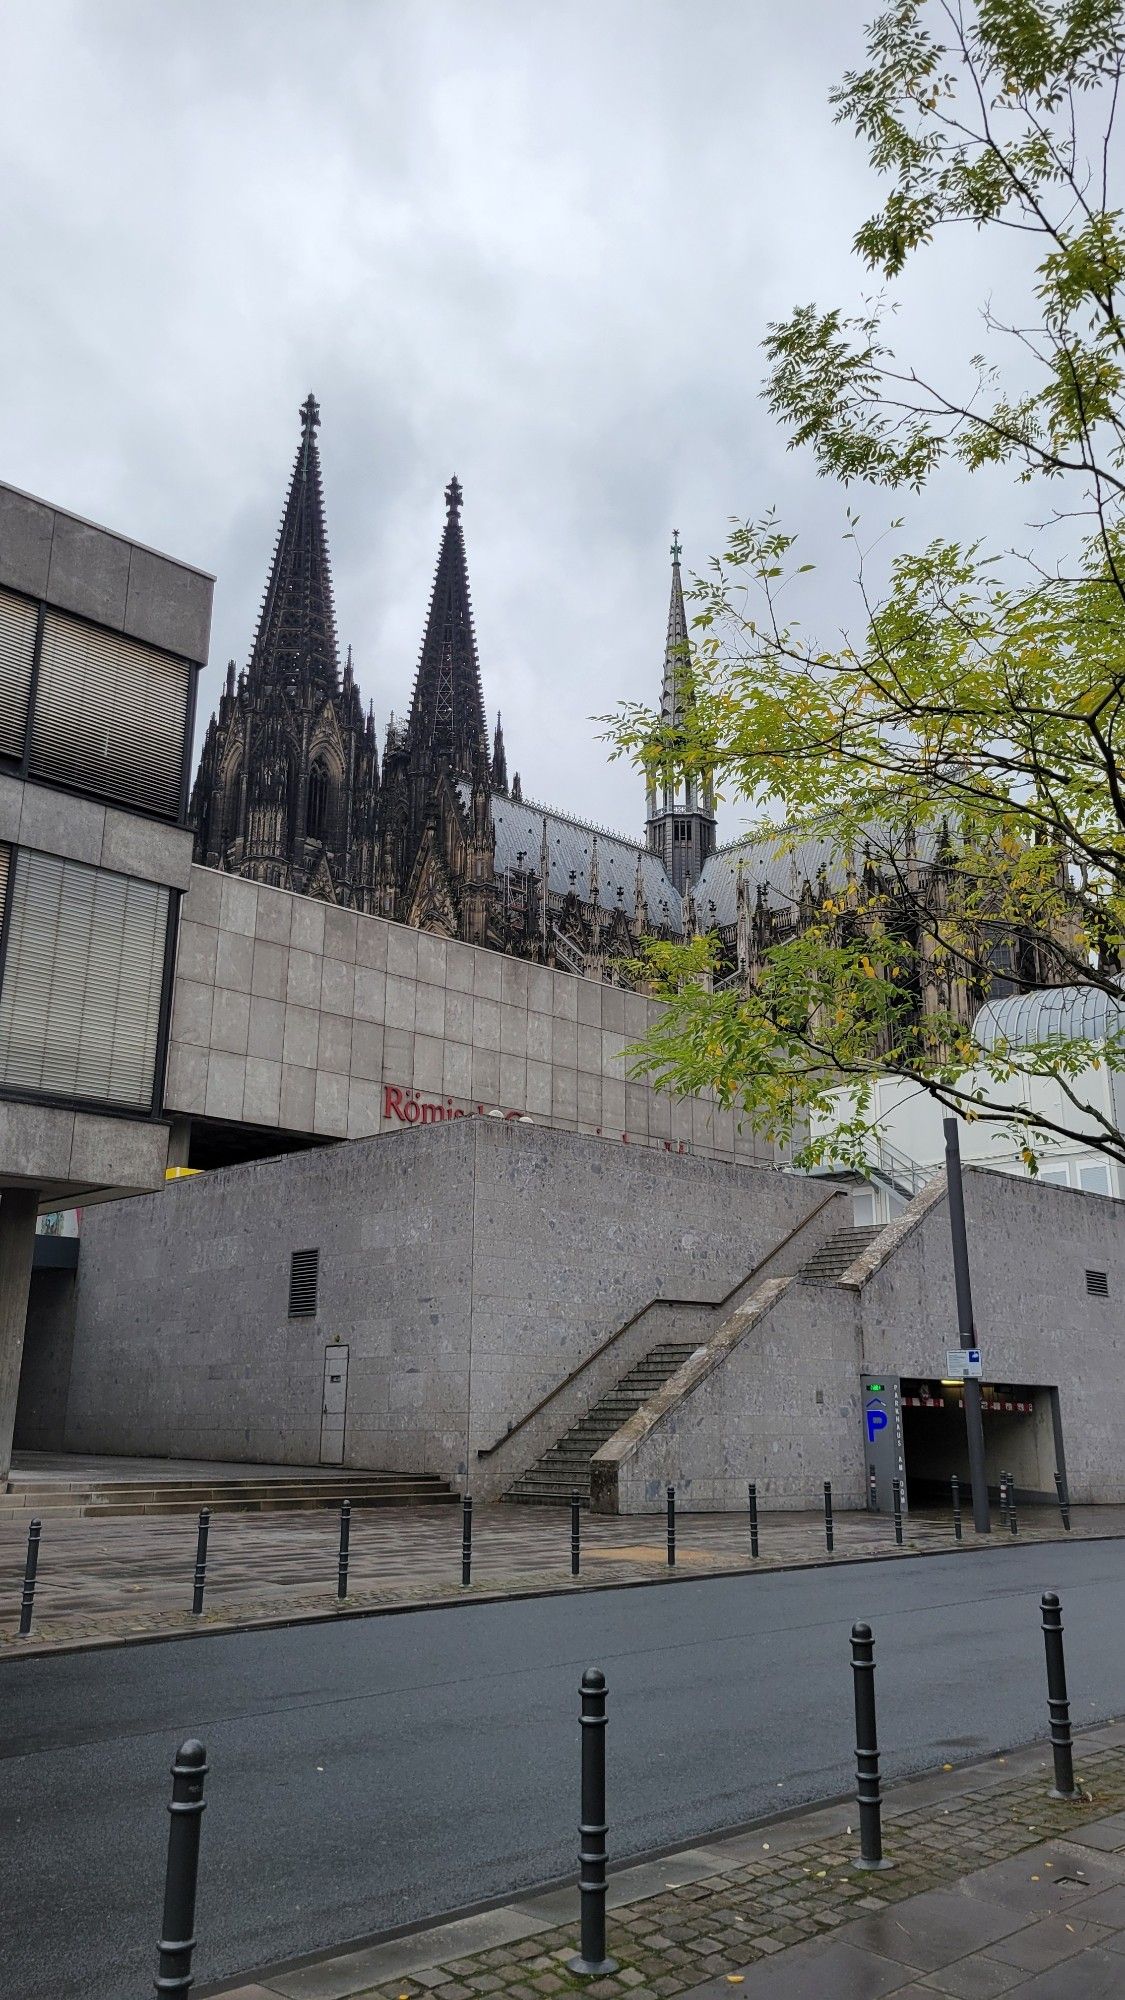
[964, 1363]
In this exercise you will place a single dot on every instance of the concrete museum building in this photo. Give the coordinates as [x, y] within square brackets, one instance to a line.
[433, 1227]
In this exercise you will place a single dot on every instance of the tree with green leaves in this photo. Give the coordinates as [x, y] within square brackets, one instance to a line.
[963, 744]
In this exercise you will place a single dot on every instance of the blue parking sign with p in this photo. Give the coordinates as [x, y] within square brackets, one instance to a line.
[876, 1420]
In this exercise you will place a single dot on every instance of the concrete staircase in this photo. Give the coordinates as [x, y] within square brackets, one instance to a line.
[59, 1496]
[828, 1264]
[565, 1468]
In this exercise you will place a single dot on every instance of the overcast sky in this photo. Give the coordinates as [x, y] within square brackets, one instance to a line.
[535, 242]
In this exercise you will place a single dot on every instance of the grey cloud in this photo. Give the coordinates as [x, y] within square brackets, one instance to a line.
[534, 243]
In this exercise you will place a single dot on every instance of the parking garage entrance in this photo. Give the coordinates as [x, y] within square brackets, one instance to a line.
[925, 1434]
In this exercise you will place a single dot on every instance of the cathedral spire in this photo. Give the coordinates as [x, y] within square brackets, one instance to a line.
[676, 691]
[447, 711]
[681, 803]
[499, 759]
[295, 643]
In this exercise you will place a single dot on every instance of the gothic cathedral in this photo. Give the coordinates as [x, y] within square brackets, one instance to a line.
[290, 791]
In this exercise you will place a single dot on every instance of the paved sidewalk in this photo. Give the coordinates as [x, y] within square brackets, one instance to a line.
[996, 1889]
[106, 1582]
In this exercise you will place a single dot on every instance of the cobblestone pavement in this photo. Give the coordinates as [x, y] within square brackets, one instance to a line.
[995, 1888]
[111, 1581]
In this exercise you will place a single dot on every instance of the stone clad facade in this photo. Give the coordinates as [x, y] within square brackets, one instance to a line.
[294, 1015]
[465, 1267]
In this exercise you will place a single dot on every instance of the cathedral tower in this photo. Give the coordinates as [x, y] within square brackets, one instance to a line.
[680, 824]
[288, 782]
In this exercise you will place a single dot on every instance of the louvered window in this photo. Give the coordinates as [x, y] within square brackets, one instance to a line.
[80, 997]
[17, 648]
[109, 715]
[303, 1273]
[1097, 1284]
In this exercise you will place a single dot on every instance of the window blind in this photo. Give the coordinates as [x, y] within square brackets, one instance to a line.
[80, 997]
[17, 648]
[109, 715]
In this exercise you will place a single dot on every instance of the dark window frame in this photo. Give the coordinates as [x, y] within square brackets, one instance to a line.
[21, 766]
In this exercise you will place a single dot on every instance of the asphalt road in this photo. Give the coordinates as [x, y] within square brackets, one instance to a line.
[384, 1770]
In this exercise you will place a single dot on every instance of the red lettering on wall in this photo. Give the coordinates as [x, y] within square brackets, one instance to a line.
[392, 1101]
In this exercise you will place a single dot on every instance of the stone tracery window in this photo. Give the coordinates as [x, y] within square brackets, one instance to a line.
[320, 792]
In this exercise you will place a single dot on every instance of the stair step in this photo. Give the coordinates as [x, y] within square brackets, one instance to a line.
[564, 1468]
[831, 1260]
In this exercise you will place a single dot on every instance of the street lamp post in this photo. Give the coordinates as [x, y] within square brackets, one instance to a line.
[974, 1424]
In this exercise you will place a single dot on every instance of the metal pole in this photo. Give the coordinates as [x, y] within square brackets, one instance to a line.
[200, 1561]
[896, 1490]
[828, 1537]
[974, 1420]
[1003, 1499]
[30, 1570]
[671, 1527]
[867, 1751]
[575, 1534]
[753, 1518]
[1013, 1523]
[956, 1485]
[467, 1540]
[1057, 1701]
[345, 1543]
[1064, 1500]
[591, 1960]
[177, 1931]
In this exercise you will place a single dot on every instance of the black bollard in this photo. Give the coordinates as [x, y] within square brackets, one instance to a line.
[1004, 1498]
[177, 1931]
[1013, 1524]
[956, 1485]
[30, 1571]
[1057, 1701]
[671, 1527]
[867, 1751]
[591, 1960]
[467, 1540]
[828, 1539]
[872, 1494]
[896, 1490]
[753, 1491]
[200, 1561]
[345, 1547]
[1064, 1500]
[575, 1534]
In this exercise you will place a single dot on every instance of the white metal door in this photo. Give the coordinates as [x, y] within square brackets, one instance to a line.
[334, 1405]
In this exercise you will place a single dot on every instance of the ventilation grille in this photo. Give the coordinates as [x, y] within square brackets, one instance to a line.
[1097, 1284]
[303, 1273]
[80, 1000]
[17, 650]
[109, 716]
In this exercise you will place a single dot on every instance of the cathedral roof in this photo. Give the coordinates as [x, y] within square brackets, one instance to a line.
[296, 638]
[570, 845]
[447, 708]
[779, 864]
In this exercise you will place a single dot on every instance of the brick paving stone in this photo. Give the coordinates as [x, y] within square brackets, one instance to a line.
[112, 1580]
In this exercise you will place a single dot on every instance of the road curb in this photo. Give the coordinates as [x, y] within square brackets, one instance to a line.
[337, 1614]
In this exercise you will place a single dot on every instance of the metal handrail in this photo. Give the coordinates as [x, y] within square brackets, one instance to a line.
[713, 1305]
